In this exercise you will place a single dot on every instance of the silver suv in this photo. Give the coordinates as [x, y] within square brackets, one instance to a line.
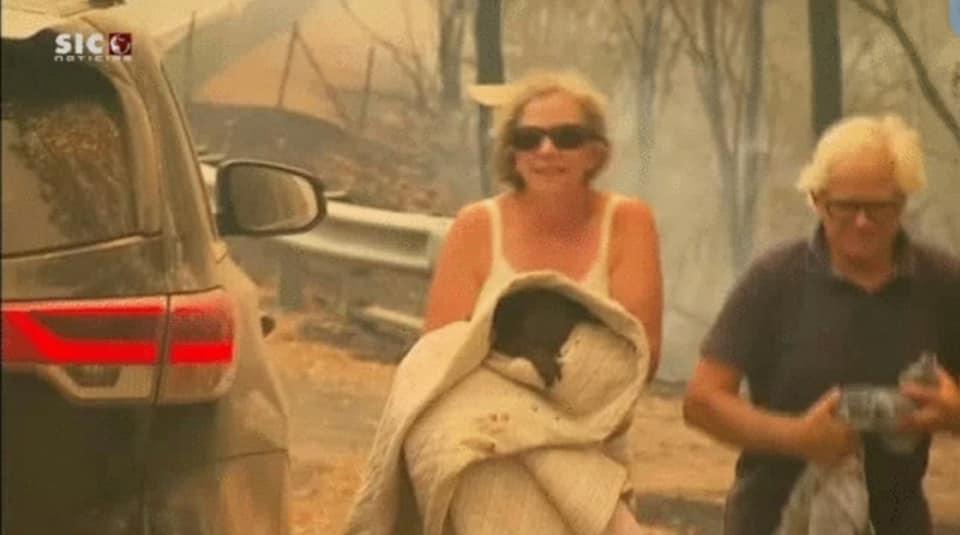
[137, 396]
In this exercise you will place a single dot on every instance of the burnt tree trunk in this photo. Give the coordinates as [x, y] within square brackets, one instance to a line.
[489, 50]
[826, 72]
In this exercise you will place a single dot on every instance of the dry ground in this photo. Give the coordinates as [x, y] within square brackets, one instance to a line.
[335, 401]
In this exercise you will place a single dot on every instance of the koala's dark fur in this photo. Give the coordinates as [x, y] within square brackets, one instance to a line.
[534, 324]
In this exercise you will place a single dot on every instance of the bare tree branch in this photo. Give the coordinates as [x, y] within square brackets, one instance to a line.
[399, 55]
[408, 27]
[373, 34]
[332, 94]
[732, 47]
[776, 90]
[627, 23]
[892, 8]
[880, 88]
[891, 19]
[693, 45]
[955, 81]
[859, 54]
[712, 98]
[869, 7]
[730, 38]
[409, 62]
[731, 41]
[675, 43]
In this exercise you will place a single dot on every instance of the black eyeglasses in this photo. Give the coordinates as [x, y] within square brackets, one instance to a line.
[876, 211]
[563, 137]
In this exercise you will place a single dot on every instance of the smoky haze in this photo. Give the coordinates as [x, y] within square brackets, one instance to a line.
[359, 101]
[668, 158]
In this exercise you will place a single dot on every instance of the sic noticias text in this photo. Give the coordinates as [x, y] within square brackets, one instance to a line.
[95, 47]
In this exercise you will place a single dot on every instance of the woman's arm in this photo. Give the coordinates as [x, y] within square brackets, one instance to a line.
[462, 266]
[636, 281]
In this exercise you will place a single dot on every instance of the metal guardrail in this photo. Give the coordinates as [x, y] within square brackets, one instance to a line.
[381, 238]
[356, 236]
[363, 235]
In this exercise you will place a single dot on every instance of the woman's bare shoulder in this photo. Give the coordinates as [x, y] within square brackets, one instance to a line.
[474, 212]
[631, 212]
[472, 220]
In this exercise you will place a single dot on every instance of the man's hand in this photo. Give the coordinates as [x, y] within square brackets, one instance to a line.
[822, 437]
[939, 406]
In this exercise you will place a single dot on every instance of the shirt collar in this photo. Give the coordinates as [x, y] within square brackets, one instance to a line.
[819, 258]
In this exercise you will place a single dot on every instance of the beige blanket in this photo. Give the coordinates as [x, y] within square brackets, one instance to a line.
[474, 443]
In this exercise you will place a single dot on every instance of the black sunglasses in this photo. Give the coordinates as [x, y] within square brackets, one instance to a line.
[563, 137]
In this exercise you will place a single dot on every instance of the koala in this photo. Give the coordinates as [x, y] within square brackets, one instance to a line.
[534, 324]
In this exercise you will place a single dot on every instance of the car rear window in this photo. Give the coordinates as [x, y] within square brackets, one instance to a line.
[66, 176]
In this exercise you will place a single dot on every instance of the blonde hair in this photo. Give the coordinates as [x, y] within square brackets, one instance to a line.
[848, 137]
[592, 104]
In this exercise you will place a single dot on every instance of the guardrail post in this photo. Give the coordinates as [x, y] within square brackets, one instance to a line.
[291, 283]
[339, 298]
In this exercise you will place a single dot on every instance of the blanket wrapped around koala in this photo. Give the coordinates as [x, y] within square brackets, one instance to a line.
[471, 442]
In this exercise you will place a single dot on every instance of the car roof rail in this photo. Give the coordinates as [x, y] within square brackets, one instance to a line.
[207, 156]
[212, 158]
[341, 195]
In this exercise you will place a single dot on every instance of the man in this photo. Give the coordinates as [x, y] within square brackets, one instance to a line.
[855, 305]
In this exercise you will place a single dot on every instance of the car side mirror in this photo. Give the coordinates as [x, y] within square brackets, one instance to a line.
[259, 198]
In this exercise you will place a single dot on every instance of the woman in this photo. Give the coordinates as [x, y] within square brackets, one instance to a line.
[551, 144]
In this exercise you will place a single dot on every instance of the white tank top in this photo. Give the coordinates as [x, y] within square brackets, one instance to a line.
[501, 272]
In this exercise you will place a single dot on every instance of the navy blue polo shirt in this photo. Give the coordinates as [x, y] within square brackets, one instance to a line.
[796, 329]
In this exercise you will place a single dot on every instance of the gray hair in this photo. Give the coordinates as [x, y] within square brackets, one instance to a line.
[847, 137]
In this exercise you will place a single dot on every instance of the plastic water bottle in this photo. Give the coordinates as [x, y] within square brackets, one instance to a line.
[923, 371]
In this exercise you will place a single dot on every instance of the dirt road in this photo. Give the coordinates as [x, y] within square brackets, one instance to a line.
[335, 401]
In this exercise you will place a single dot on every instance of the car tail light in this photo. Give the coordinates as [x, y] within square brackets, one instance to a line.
[92, 350]
[113, 349]
[200, 364]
